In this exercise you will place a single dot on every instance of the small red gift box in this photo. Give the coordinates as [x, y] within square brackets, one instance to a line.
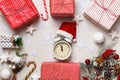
[62, 8]
[104, 13]
[60, 71]
[18, 13]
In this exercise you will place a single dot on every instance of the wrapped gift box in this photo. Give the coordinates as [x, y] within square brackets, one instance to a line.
[62, 8]
[103, 12]
[60, 71]
[18, 13]
[11, 41]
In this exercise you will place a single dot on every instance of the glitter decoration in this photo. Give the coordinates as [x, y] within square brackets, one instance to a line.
[47, 38]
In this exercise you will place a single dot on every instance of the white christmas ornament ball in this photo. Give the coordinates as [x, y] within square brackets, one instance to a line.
[5, 74]
[99, 38]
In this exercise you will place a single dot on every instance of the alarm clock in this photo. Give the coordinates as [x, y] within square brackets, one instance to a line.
[62, 50]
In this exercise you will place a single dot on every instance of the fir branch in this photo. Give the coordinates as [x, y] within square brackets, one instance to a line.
[18, 53]
[19, 42]
[84, 68]
[25, 54]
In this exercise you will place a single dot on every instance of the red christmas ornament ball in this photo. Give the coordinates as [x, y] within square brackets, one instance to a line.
[87, 61]
[116, 56]
[85, 78]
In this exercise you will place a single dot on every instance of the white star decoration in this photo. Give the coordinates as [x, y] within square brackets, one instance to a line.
[30, 30]
[4, 58]
[77, 18]
[114, 34]
[35, 76]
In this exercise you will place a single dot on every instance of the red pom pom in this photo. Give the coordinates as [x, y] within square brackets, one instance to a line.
[107, 53]
[87, 61]
[116, 56]
[85, 78]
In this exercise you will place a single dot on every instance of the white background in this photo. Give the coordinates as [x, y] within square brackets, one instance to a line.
[39, 46]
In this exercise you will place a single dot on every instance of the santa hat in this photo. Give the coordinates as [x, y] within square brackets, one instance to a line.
[68, 29]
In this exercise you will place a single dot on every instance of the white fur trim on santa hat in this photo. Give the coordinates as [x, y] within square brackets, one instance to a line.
[64, 33]
[68, 40]
[74, 40]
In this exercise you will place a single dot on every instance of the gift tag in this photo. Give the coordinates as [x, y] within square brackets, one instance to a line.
[11, 41]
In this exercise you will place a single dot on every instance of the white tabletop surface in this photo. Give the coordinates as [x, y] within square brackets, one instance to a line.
[39, 46]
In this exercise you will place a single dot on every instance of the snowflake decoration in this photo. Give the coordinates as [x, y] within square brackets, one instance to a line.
[41, 25]
[92, 49]
[80, 45]
[82, 4]
[34, 53]
[75, 57]
[28, 42]
[78, 3]
[47, 39]
[50, 57]
[5, 29]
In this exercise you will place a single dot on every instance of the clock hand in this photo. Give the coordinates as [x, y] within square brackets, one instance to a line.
[61, 48]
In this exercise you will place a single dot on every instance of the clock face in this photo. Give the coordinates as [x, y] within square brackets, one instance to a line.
[62, 50]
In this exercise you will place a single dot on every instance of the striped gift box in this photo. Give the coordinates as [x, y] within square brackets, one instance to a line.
[104, 13]
[60, 71]
[18, 13]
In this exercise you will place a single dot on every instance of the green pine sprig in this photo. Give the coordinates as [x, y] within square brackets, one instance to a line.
[19, 42]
